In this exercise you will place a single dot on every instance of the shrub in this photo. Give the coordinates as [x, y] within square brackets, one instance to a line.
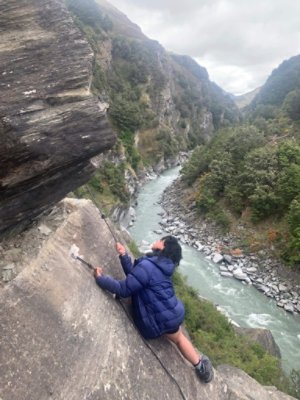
[133, 156]
[114, 176]
[291, 104]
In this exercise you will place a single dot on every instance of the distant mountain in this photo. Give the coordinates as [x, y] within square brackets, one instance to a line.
[121, 24]
[244, 99]
[282, 81]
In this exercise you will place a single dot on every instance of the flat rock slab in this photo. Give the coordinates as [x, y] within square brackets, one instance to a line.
[63, 338]
[242, 387]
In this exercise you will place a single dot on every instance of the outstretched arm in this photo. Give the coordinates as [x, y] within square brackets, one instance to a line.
[126, 263]
[135, 281]
[125, 260]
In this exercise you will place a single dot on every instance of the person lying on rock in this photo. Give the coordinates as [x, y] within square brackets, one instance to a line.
[156, 309]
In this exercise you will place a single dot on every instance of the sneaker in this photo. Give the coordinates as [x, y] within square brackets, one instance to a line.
[204, 369]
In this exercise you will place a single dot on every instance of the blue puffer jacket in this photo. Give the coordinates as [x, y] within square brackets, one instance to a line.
[156, 309]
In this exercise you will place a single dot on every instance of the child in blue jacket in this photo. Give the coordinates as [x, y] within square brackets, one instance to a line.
[156, 309]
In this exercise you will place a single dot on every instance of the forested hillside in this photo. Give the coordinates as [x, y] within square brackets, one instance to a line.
[158, 103]
[280, 88]
[251, 172]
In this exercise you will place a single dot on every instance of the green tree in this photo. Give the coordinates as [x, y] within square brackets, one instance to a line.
[125, 115]
[291, 105]
[292, 252]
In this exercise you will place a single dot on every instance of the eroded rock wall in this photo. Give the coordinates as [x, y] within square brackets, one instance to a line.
[50, 124]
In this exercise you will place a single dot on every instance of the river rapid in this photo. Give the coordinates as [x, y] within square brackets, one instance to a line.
[245, 305]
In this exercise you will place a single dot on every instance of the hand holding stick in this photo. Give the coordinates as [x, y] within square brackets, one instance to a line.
[120, 249]
[98, 271]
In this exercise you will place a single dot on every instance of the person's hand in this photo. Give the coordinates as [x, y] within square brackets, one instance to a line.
[120, 249]
[98, 271]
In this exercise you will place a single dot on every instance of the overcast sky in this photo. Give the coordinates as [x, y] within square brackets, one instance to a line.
[239, 42]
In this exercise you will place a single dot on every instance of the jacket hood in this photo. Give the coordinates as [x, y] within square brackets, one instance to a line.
[163, 263]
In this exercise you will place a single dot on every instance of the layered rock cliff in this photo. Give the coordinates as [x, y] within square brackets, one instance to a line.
[50, 124]
[64, 338]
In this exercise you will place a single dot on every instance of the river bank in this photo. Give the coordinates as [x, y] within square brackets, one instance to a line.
[262, 271]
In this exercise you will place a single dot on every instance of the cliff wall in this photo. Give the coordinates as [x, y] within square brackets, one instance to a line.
[50, 124]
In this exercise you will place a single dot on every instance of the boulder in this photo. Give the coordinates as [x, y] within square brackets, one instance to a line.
[242, 386]
[262, 336]
[217, 258]
[261, 288]
[50, 124]
[251, 270]
[282, 288]
[227, 258]
[239, 274]
[226, 274]
[289, 307]
[223, 268]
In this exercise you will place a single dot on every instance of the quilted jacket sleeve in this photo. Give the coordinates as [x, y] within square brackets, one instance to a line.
[126, 263]
[136, 280]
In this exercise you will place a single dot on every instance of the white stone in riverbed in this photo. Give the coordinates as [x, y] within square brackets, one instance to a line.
[226, 274]
[239, 274]
[230, 268]
[251, 269]
[207, 251]
[224, 269]
[282, 288]
[289, 307]
[274, 287]
[227, 258]
[217, 258]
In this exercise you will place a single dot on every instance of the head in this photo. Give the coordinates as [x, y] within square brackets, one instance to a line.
[169, 247]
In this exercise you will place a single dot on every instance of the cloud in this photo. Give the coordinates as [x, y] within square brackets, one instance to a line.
[239, 43]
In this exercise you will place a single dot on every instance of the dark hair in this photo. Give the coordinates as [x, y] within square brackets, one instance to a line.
[172, 249]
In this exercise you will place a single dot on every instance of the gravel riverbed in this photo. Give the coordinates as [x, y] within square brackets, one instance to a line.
[262, 271]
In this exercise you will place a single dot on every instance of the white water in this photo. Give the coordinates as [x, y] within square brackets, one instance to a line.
[243, 304]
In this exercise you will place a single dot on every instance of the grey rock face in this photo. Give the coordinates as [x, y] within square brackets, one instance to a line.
[262, 336]
[50, 124]
[242, 386]
[62, 337]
